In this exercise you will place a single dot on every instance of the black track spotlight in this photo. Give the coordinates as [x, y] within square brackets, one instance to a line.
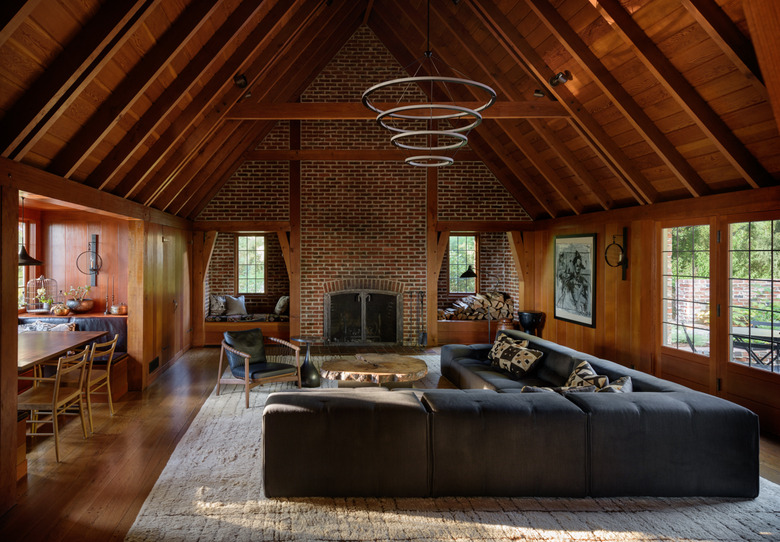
[560, 78]
[539, 93]
[240, 80]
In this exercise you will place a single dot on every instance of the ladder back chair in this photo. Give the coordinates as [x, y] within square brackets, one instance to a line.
[54, 396]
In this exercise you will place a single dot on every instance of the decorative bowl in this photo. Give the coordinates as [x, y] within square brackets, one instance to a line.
[60, 309]
[85, 305]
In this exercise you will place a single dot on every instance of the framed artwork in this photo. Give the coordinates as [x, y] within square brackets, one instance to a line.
[575, 278]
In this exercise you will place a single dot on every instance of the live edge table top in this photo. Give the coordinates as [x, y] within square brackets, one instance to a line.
[376, 368]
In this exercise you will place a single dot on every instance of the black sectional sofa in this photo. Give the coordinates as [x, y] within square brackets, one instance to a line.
[490, 438]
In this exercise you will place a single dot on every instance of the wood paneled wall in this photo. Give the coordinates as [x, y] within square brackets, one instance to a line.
[627, 315]
[159, 308]
[66, 234]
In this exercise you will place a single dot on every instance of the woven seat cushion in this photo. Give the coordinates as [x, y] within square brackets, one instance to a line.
[264, 370]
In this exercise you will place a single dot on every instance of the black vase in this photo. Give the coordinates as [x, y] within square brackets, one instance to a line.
[310, 376]
[531, 321]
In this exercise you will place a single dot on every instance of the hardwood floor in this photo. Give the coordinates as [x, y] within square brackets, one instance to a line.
[98, 489]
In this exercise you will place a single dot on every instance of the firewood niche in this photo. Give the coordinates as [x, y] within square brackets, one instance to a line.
[490, 305]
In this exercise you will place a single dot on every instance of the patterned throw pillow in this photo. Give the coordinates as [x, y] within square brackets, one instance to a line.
[621, 385]
[503, 342]
[40, 325]
[518, 360]
[584, 375]
[216, 305]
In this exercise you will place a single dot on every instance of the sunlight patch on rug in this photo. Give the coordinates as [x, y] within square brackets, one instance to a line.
[212, 489]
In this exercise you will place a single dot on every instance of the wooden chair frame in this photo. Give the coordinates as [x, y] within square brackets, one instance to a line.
[101, 378]
[249, 382]
[56, 395]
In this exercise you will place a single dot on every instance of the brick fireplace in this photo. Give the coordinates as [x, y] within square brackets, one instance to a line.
[366, 311]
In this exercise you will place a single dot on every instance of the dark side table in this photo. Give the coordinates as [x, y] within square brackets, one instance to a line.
[310, 376]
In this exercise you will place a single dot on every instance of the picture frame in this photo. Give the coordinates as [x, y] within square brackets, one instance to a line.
[575, 278]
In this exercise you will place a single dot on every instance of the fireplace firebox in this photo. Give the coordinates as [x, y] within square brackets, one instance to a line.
[364, 317]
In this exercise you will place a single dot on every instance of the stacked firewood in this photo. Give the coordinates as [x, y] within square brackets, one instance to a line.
[477, 307]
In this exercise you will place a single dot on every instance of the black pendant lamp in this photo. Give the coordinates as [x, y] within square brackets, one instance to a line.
[24, 257]
[468, 273]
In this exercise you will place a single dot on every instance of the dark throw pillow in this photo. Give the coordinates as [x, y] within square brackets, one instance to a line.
[234, 305]
[282, 305]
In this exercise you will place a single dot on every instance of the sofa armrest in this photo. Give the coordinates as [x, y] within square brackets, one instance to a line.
[478, 352]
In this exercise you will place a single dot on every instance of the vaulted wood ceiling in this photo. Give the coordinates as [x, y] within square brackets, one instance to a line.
[136, 97]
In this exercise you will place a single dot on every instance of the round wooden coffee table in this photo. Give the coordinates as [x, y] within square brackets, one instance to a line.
[375, 368]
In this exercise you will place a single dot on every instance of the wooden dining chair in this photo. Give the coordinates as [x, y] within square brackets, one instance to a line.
[54, 396]
[247, 364]
[99, 374]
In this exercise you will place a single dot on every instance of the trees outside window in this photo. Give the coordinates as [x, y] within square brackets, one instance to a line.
[462, 254]
[754, 293]
[686, 288]
[250, 270]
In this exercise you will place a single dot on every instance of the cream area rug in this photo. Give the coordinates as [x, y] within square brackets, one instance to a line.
[212, 489]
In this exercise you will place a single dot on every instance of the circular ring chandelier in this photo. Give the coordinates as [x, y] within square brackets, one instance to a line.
[456, 112]
[429, 160]
[432, 112]
[460, 140]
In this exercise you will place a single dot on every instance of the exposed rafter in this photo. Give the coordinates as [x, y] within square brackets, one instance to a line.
[524, 55]
[641, 122]
[685, 94]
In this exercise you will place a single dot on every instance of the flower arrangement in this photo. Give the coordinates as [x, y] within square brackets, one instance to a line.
[79, 293]
[43, 297]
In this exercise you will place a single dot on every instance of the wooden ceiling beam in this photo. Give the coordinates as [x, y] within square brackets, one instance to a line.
[288, 68]
[526, 192]
[79, 61]
[573, 163]
[527, 182]
[12, 15]
[202, 105]
[202, 195]
[357, 111]
[763, 19]
[500, 169]
[217, 152]
[565, 190]
[734, 44]
[747, 166]
[477, 54]
[43, 183]
[544, 169]
[136, 82]
[196, 68]
[367, 16]
[277, 31]
[292, 74]
[344, 155]
[206, 156]
[527, 57]
[620, 97]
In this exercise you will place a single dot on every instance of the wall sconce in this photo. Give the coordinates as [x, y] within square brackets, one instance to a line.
[560, 78]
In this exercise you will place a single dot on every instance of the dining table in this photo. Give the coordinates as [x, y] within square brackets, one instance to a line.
[36, 347]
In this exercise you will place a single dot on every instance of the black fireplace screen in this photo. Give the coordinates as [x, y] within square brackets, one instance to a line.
[363, 317]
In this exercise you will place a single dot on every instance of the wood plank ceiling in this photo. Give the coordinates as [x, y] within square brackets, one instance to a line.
[137, 98]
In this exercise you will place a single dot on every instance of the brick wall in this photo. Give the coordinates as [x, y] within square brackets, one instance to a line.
[222, 272]
[359, 220]
[469, 191]
[495, 259]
